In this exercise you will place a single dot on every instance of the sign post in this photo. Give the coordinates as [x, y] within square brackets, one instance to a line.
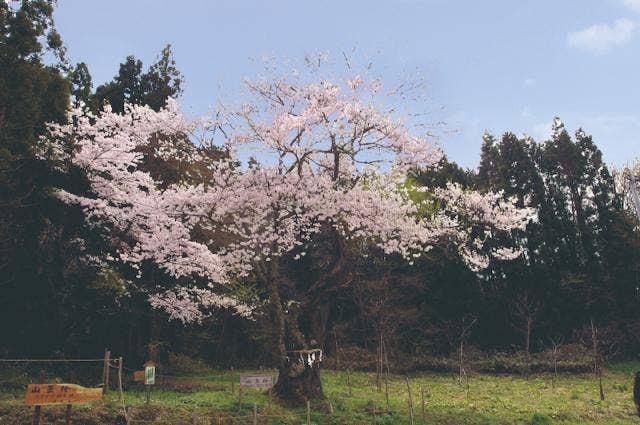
[255, 381]
[149, 377]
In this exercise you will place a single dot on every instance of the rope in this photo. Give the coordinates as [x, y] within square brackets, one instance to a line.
[49, 360]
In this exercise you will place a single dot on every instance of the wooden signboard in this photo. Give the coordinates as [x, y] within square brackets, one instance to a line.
[47, 394]
[138, 376]
[256, 381]
[149, 375]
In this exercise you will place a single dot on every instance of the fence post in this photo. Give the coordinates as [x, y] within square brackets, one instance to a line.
[37, 409]
[233, 381]
[120, 377]
[105, 371]
[423, 410]
[386, 390]
[255, 414]
[410, 399]
[308, 412]
[72, 380]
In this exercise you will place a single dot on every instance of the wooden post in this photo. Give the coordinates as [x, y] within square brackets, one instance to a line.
[379, 365]
[386, 390]
[335, 338]
[72, 380]
[308, 412]
[233, 381]
[120, 378]
[349, 382]
[105, 371]
[255, 414]
[148, 391]
[239, 398]
[424, 416]
[37, 409]
[596, 358]
[410, 399]
[330, 408]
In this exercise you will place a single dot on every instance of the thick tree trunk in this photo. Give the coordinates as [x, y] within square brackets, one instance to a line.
[299, 378]
[299, 369]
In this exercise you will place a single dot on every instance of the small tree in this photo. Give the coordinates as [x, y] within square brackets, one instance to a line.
[525, 312]
[332, 170]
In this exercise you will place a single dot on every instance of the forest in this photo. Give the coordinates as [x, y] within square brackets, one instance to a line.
[180, 251]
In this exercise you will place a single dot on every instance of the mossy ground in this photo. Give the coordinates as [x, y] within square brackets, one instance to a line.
[488, 399]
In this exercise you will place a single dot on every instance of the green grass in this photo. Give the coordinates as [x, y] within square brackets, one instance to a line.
[488, 399]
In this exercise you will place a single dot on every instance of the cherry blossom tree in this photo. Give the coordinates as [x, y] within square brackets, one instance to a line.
[331, 165]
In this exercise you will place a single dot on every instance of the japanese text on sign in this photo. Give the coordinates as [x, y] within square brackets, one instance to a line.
[256, 381]
[42, 394]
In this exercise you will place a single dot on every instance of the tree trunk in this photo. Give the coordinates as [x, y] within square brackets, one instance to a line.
[299, 369]
[299, 378]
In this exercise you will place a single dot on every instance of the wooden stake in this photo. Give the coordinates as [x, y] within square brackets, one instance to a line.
[410, 400]
[596, 358]
[330, 408]
[410, 410]
[120, 379]
[233, 381]
[423, 410]
[308, 412]
[72, 380]
[148, 391]
[255, 414]
[37, 410]
[105, 376]
[335, 338]
[386, 390]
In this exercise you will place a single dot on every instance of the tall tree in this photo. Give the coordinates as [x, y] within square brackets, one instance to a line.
[313, 190]
[31, 94]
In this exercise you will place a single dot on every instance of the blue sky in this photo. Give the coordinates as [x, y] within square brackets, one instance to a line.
[494, 65]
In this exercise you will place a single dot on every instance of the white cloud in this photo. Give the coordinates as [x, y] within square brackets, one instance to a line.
[602, 37]
[632, 4]
[528, 82]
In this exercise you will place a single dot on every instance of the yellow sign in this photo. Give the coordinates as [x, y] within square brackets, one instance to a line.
[43, 394]
[138, 376]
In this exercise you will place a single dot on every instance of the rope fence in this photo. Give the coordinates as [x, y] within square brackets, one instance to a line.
[407, 400]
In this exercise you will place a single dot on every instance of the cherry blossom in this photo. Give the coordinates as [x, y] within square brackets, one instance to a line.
[328, 158]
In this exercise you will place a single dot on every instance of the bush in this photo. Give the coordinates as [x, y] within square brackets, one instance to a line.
[179, 364]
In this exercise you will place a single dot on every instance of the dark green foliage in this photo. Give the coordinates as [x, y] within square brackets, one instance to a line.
[153, 87]
[581, 261]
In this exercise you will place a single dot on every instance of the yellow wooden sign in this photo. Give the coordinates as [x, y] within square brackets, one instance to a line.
[44, 394]
[138, 376]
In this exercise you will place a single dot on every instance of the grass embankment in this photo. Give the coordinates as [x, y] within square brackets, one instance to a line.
[487, 399]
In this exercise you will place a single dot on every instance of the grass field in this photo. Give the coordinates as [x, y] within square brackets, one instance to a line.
[487, 399]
